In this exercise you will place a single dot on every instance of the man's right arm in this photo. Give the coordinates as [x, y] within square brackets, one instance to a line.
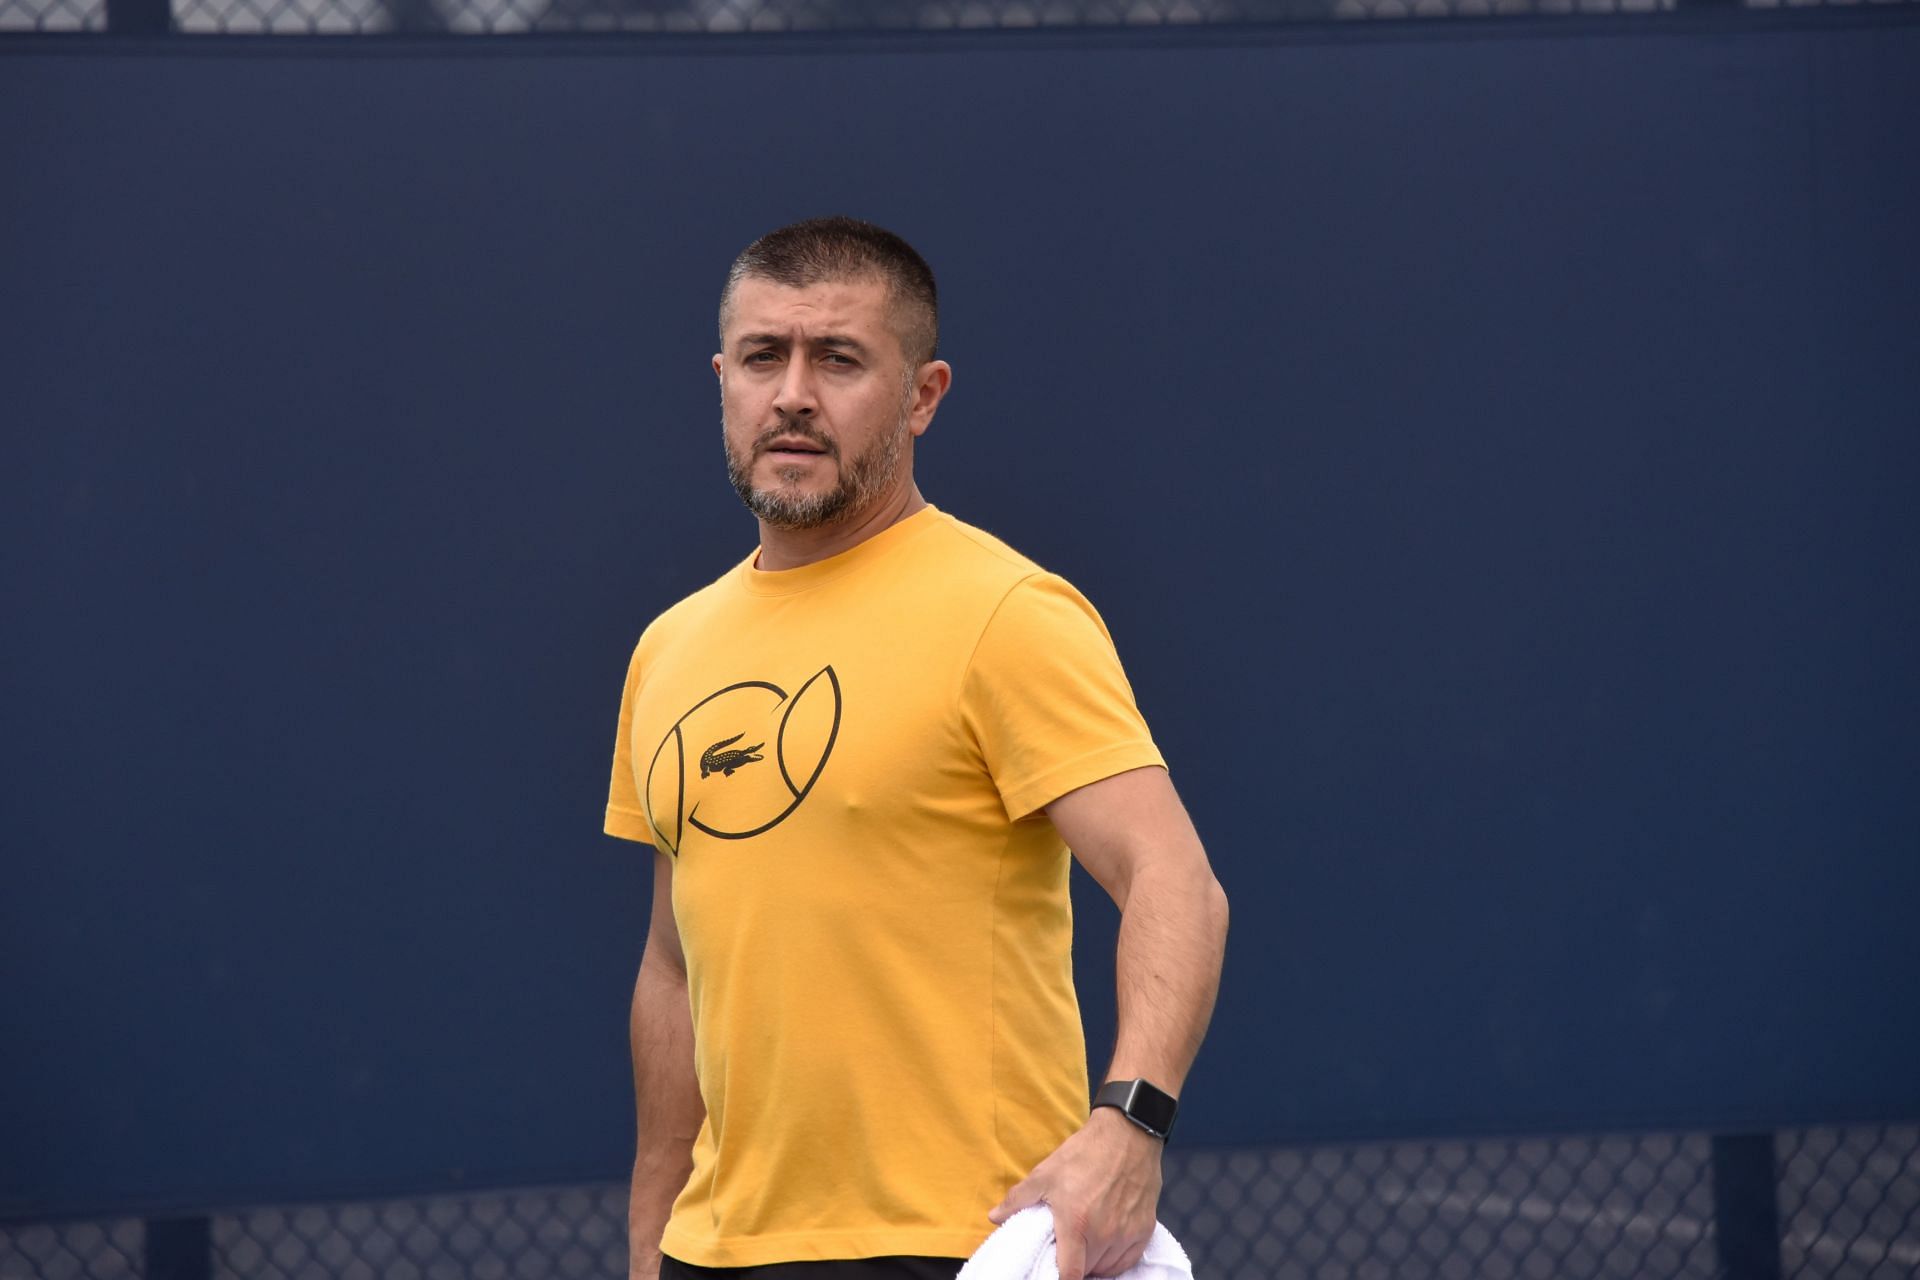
[666, 1093]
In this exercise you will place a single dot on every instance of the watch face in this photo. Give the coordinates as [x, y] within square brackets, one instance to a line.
[1152, 1107]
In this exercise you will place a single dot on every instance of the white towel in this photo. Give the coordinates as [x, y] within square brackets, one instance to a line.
[1022, 1249]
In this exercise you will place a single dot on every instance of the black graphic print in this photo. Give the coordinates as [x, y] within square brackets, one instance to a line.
[722, 798]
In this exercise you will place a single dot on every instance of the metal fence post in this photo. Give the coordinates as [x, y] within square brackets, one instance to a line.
[179, 1249]
[139, 17]
[1746, 1215]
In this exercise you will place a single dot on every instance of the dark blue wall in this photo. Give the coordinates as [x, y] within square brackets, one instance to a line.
[1494, 452]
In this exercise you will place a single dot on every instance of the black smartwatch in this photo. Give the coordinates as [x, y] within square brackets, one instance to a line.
[1148, 1107]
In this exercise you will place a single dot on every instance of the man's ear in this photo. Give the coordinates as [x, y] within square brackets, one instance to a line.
[716, 367]
[929, 389]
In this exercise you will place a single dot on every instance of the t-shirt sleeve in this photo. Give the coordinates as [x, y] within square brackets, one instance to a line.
[626, 817]
[1046, 700]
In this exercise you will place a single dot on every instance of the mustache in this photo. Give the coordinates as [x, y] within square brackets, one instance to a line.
[794, 427]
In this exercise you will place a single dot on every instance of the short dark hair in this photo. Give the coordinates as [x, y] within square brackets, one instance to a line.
[841, 248]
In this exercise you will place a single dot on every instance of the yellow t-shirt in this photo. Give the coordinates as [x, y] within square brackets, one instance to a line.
[848, 763]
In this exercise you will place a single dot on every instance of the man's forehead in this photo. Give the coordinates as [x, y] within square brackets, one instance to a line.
[759, 305]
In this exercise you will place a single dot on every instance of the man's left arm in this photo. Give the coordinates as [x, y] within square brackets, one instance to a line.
[1134, 837]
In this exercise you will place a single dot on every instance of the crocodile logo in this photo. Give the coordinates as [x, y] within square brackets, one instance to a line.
[713, 760]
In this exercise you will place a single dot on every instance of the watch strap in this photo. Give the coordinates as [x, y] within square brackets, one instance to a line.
[1148, 1107]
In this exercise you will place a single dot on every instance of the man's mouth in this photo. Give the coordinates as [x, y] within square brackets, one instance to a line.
[794, 447]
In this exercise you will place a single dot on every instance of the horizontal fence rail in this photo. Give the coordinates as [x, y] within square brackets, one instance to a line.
[1833, 1204]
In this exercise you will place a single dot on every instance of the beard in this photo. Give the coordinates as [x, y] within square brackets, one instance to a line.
[861, 478]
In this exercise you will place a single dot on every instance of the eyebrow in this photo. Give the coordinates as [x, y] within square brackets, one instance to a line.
[838, 341]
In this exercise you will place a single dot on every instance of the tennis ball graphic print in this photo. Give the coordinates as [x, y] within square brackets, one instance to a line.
[742, 759]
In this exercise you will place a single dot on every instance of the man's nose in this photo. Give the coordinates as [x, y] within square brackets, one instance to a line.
[795, 398]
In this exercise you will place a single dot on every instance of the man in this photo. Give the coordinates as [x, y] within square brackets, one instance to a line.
[861, 757]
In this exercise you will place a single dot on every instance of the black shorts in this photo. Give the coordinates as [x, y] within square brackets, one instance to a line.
[892, 1268]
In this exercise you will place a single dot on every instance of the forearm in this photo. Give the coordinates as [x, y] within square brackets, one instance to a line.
[667, 1105]
[1104, 1181]
[1132, 834]
[1173, 934]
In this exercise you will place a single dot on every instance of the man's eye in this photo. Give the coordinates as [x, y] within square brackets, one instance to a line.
[834, 357]
[760, 357]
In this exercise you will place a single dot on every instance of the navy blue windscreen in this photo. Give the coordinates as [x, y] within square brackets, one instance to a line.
[1494, 454]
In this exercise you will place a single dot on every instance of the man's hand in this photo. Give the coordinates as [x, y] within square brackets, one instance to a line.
[1103, 1186]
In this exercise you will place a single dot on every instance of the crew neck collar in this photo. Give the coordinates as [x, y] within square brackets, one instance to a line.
[781, 582]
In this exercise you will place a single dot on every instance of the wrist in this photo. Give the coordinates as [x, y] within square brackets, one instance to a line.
[1108, 1120]
[1141, 1103]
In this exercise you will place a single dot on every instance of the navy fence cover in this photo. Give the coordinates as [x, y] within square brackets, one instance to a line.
[1494, 454]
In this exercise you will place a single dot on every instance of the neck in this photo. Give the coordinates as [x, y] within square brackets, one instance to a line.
[792, 548]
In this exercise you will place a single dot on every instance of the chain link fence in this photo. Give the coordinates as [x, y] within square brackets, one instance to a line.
[572, 1233]
[1850, 1203]
[1846, 1203]
[520, 17]
[111, 1250]
[52, 15]
[1547, 1210]
[505, 17]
